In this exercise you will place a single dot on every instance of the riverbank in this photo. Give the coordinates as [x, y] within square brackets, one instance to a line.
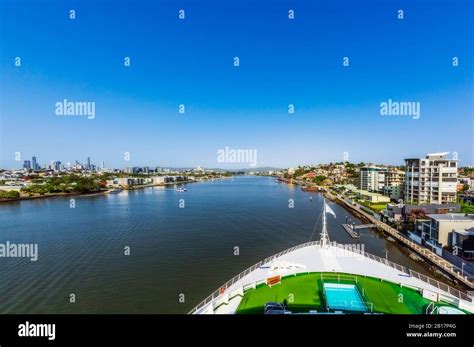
[55, 195]
[171, 183]
[103, 191]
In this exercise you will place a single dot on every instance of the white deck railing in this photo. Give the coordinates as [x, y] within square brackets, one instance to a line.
[230, 282]
[443, 287]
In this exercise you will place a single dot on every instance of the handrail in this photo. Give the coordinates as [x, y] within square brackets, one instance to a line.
[450, 290]
[427, 311]
[234, 279]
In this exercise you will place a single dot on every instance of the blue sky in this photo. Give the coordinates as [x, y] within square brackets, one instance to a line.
[190, 62]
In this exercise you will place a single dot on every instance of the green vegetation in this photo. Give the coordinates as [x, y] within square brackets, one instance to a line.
[467, 170]
[304, 292]
[467, 208]
[300, 172]
[319, 180]
[376, 207]
[12, 194]
[63, 184]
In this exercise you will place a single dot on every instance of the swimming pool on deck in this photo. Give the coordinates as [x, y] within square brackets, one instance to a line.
[343, 297]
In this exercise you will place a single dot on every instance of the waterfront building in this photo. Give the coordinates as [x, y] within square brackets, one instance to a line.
[309, 176]
[374, 198]
[431, 180]
[432, 209]
[371, 197]
[393, 183]
[161, 180]
[402, 212]
[438, 229]
[125, 182]
[371, 178]
[463, 243]
[158, 179]
[393, 213]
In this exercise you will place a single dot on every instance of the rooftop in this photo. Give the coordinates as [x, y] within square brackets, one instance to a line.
[466, 232]
[440, 154]
[458, 217]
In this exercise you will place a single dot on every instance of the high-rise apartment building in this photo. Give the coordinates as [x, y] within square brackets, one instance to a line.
[431, 180]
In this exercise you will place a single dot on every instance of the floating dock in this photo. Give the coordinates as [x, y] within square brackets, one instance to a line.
[352, 232]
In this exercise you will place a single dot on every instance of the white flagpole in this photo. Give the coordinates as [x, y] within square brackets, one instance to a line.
[324, 232]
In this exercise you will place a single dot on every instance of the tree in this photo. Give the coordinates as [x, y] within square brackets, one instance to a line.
[319, 179]
[414, 215]
[11, 194]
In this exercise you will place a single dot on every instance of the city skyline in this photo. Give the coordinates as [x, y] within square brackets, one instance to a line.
[190, 62]
[34, 164]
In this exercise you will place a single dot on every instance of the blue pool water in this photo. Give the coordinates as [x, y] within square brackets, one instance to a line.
[343, 297]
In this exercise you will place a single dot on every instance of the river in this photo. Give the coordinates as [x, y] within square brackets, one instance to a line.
[182, 245]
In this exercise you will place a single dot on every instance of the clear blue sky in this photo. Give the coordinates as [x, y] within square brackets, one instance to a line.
[191, 62]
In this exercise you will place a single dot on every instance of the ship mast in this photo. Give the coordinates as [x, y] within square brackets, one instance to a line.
[324, 233]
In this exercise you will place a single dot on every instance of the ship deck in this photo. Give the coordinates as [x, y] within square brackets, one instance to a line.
[304, 292]
[379, 282]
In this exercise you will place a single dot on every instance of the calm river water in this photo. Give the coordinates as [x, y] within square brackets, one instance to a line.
[173, 250]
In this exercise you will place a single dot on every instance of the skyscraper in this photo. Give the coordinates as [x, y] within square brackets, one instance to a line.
[27, 165]
[88, 167]
[34, 164]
